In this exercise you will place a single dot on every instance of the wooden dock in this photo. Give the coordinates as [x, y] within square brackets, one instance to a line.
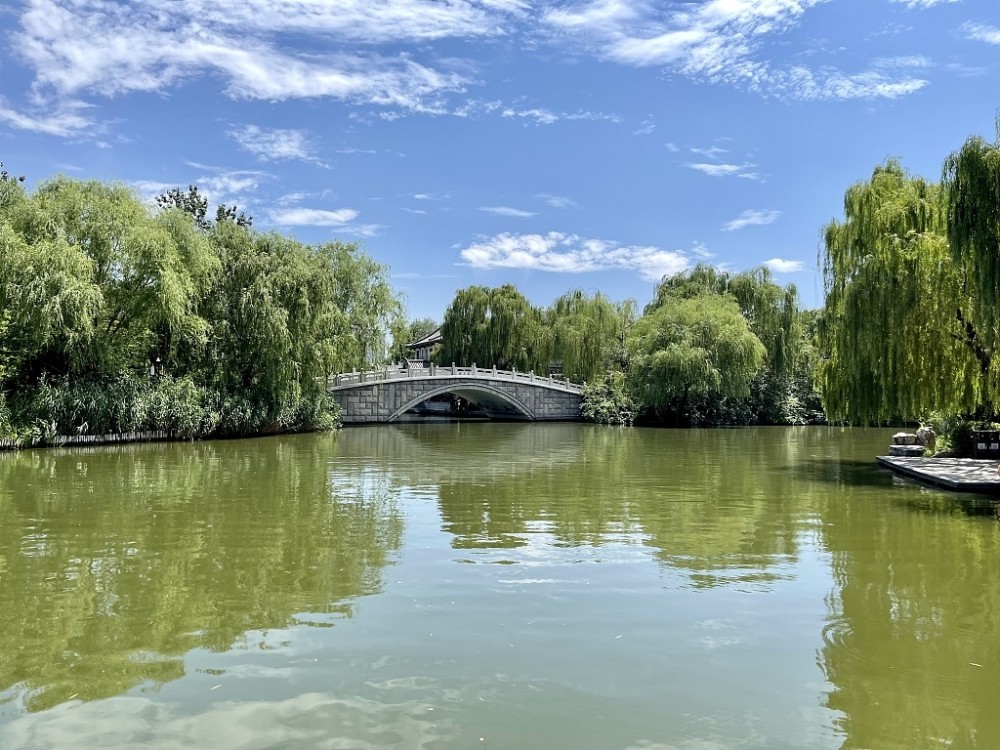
[958, 474]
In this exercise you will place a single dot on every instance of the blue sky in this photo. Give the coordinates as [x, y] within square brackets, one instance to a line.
[553, 144]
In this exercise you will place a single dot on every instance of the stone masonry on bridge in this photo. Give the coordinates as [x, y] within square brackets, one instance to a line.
[385, 395]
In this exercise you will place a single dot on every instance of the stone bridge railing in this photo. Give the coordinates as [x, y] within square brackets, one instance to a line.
[386, 395]
[354, 379]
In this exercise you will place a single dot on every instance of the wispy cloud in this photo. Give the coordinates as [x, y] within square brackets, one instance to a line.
[507, 211]
[360, 230]
[744, 170]
[313, 217]
[922, 3]
[569, 253]
[557, 201]
[979, 32]
[645, 127]
[673, 148]
[716, 41]
[417, 211]
[102, 48]
[542, 116]
[215, 183]
[751, 217]
[275, 144]
[780, 265]
[712, 152]
[63, 119]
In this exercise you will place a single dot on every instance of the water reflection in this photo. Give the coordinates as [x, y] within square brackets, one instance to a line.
[115, 562]
[552, 586]
[715, 504]
[912, 648]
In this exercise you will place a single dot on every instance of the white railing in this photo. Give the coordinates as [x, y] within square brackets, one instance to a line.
[353, 379]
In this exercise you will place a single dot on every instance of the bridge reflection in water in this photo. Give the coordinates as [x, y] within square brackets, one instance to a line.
[387, 395]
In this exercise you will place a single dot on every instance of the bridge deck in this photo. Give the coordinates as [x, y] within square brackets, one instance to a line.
[355, 379]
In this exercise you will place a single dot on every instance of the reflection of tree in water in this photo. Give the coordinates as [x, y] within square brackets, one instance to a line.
[714, 503]
[115, 562]
[913, 644]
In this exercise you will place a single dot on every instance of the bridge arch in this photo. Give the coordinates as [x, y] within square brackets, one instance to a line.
[491, 394]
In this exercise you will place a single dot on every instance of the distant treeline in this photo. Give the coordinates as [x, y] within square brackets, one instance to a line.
[712, 347]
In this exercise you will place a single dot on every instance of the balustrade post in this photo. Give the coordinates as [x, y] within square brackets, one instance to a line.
[473, 369]
[531, 376]
[454, 371]
[494, 370]
[432, 369]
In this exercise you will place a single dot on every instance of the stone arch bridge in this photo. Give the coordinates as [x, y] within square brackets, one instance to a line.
[385, 395]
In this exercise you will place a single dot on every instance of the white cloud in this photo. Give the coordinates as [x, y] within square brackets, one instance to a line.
[557, 201]
[727, 170]
[97, 47]
[417, 211]
[507, 211]
[360, 230]
[716, 41]
[570, 253]
[779, 265]
[751, 217]
[981, 33]
[922, 3]
[537, 115]
[645, 127]
[673, 148]
[712, 152]
[64, 119]
[217, 185]
[275, 144]
[313, 217]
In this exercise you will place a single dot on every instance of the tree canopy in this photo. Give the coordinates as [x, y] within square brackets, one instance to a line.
[898, 334]
[95, 286]
[691, 350]
[587, 333]
[493, 326]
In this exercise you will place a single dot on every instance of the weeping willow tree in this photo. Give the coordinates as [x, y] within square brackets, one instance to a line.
[693, 351]
[972, 183]
[493, 326]
[588, 333]
[772, 313]
[90, 276]
[769, 309]
[95, 286]
[897, 332]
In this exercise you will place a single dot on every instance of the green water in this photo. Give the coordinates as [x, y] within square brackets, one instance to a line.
[495, 586]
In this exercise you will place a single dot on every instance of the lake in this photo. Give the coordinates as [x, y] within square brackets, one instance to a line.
[495, 586]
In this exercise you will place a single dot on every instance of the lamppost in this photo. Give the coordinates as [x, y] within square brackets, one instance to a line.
[156, 368]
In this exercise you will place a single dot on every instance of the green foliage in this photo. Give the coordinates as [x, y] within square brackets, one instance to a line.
[94, 287]
[587, 333]
[896, 332]
[494, 326]
[772, 314]
[90, 275]
[607, 400]
[407, 334]
[972, 190]
[6, 176]
[195, 204]
[692, 350]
